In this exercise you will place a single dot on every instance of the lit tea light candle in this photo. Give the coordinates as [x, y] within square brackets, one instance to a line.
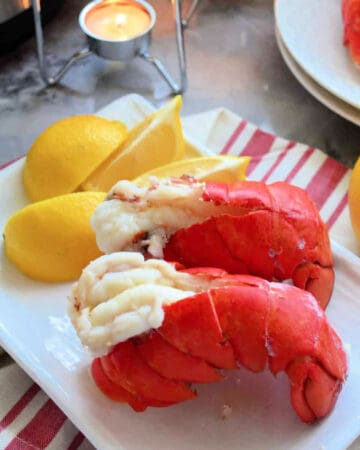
[118, 29]
[117, 20]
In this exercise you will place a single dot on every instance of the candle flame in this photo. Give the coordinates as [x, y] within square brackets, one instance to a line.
[120, 20]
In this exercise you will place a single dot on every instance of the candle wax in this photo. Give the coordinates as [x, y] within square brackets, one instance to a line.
[117, 21]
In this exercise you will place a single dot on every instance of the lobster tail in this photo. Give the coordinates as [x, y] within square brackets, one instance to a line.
[209, 320]
[272, 231]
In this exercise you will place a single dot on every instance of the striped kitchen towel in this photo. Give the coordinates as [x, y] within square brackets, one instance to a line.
[274, 159]
[28, 418]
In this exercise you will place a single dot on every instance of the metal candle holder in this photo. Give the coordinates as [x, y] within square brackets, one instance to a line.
[120, 50]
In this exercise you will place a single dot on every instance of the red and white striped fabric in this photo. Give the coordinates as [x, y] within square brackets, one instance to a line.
[28, 418]
[274, 159]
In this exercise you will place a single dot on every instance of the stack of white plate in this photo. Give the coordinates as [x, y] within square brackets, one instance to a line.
[310, 38]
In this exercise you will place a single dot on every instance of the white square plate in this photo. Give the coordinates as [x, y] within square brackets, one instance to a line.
[35, 330]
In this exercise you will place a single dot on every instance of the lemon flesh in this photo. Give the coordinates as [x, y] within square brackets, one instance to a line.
[155, 141]
[63, 156]
[207, 168]
[52, 240]
[193, 150]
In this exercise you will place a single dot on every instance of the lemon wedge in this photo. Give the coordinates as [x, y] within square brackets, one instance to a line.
[155, 141]
[207, 168]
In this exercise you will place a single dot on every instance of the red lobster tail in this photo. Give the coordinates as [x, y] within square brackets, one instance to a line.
[351, 14]
[313, 390]
[276, 233]
[245, 321]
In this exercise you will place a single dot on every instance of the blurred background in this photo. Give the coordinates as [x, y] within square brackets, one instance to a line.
[233, 62]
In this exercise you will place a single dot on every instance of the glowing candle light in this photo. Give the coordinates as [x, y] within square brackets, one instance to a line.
[117, 20]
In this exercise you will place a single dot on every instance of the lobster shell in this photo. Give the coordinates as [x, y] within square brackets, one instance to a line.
[273, 231]
[245, 321]
[277, 234]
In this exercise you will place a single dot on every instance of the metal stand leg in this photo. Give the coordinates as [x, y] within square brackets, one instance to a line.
[51, 80]
[180, 25]
[175, 87]
[185, 22]
[159, 66]
[180, 44]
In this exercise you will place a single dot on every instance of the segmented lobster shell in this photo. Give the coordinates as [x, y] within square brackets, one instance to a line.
[276, 233]
[245, 321]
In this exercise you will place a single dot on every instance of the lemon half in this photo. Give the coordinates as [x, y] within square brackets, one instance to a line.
[52, 240]
[65, 154]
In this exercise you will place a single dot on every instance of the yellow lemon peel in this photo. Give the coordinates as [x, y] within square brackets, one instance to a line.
[65, 154]
[52, 240]
[155, 141]
[354, 199]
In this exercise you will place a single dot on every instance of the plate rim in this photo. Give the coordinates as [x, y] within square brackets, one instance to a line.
[306, 69]
[304, 79]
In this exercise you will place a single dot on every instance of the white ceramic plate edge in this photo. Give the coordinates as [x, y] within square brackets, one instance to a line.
[325, 97]
[336, 90]
[49, 388]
